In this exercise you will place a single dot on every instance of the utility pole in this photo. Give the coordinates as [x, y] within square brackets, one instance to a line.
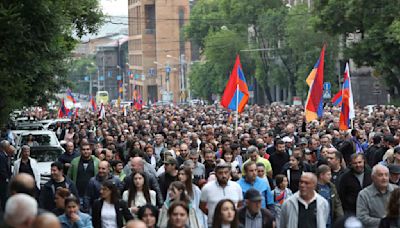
[181, 62]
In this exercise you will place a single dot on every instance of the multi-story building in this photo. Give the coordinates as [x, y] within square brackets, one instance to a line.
[158, 52]
[111, 61]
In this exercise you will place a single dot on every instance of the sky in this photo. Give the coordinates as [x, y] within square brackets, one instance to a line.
[115, 7]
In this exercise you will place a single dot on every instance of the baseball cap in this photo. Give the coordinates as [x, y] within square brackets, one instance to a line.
[253, 195]
[171, 161]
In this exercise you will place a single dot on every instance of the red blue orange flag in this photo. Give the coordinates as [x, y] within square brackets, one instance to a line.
[93, 103]
[63, 111]
[70, 96]
[137, 101]
[347, 112]
[337, 99]
[315, 80]
[236, 93]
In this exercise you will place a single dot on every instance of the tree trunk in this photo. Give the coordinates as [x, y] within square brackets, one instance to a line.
[263, 57]
[292, 80]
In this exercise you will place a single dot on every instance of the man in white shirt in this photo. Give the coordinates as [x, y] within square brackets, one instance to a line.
[222, 188]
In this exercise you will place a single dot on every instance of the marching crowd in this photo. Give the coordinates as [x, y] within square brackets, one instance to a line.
[190, 167]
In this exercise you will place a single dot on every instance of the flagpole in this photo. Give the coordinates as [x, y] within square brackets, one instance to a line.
[237, 107]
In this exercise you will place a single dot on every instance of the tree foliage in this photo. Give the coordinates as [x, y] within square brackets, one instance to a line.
[37, 39]
[288, 44]
[78, 70]
[221, 48]
[375, 29]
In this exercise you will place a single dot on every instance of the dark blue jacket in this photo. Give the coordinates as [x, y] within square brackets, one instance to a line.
[48, 191]
[93, 189]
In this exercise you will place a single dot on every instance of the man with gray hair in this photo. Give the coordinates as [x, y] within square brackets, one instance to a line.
[306, 208]
[199, 170]
[26, 164]
[372, 200]
[20, 211]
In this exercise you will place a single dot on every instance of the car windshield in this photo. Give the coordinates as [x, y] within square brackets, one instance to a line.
[29, 127]
[46, 155]
[39, 140]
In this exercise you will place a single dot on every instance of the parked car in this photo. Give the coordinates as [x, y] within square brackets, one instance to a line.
[41, 137]
[29, 126]
[53, 123]
[46, 150]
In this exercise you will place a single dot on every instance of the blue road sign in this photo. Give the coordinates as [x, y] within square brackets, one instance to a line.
[119, 77]
[327, 90]
[327, 86]
[168, 69]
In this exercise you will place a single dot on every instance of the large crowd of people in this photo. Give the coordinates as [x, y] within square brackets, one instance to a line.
[191, 167]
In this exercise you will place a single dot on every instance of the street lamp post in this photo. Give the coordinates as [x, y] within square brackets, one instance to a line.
[123, 82]
[182, 84]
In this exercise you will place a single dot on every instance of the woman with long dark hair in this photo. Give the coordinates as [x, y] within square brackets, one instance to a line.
[178, 215]
[139, 193]
[177, 192]
[185, 176]
[109, 211]
[225, 215]
[149, 215]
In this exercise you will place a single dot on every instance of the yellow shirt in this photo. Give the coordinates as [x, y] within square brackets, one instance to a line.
[266, 163]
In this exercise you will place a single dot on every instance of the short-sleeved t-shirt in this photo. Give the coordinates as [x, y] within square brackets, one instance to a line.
[212, 193]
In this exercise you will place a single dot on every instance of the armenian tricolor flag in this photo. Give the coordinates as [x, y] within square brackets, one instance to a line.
[93, 104]
[236, 93]
[63, 111]
[315, 80]
[70, 96]
[347, 112]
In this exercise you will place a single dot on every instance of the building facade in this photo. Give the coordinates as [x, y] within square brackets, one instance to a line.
[158, 53]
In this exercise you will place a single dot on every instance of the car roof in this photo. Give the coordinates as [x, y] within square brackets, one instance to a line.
[38, 132]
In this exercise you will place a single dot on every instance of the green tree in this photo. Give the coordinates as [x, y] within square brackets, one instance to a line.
[375, 26]
[78, 70]
[37, 39]
[210, 16]
[220, 48]
[295, 47]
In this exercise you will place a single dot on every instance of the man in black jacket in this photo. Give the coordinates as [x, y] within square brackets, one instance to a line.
[252, 215]
[170, 175]
[352, 182]
[47, 193]
[138, 166]
[6, 152]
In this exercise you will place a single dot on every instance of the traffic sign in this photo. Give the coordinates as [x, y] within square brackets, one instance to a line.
[377, 92]
[327, 86]
[327, 90]
[168, 69]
